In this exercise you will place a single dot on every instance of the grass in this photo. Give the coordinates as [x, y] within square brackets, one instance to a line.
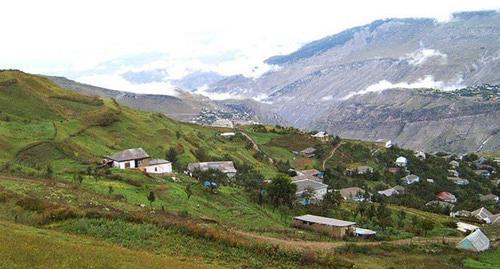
[487, 260]
[28, 247]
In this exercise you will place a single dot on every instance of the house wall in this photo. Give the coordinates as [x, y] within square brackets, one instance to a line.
[123, 165]
[334, 231]
[159, 169]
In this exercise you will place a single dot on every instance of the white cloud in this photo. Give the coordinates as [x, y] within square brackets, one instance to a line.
[217, 96]
[327, 98]
[117, 82]
[426, 82]
[422, 55]
[59, 37]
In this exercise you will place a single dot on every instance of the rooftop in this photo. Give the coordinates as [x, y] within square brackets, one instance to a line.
[325, 221]
[129, 154]
[304, 184]
[157, 162]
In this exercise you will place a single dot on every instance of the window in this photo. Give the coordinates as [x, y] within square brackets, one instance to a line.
[156, 169]
[127, 165]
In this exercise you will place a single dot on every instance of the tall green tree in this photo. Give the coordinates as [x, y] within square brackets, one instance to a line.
[281, 191]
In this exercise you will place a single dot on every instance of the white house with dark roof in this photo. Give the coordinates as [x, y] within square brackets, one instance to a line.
[130, 158]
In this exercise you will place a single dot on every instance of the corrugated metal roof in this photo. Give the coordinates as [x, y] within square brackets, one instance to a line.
[157, 162]
[476, 241]
[325, 221]
[302, 185]
[129, 154]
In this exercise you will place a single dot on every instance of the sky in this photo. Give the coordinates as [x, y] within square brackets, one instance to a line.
[97, 42]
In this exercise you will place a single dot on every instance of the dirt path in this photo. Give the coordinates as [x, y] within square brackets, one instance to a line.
[330, 156]
[320, 246]
[256, 146]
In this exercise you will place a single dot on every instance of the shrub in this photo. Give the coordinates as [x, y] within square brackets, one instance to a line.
[32, 204]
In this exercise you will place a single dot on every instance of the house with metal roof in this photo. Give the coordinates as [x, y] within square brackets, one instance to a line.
[410, 179]
[482, 214]
[396, 190]
[333, 227]
[130, 158]
[226, 167]
[318, 189]
[476, 241]
[353, 194]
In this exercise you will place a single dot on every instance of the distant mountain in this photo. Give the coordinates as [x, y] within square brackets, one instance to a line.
[197, 80]
[314, 85]
[185, 106]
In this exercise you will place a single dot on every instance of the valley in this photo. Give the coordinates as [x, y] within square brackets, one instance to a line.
[54, 190]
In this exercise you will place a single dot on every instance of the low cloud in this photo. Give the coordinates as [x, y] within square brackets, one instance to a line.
[217, 96]
[117, 82]
[423, 55]
[427, 82]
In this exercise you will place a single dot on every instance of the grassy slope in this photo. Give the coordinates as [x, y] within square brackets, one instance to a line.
[85, 130]
[488, 260]
[69, 130]
[28, 247]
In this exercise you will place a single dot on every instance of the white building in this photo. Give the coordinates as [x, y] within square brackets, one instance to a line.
[228, 134]
[401, 161]
[318, 189]
[410, 179]
[130, 158]
[158, 166]
[321, 134]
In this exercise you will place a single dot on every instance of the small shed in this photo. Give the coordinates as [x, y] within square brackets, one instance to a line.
[364, 233]
[333, 227]
[476, 241]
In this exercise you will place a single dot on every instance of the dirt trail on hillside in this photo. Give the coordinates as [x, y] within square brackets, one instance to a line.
[330, 155]
[256, 146]
[321, 246]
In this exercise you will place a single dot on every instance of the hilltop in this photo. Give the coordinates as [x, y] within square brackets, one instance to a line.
[53, 189]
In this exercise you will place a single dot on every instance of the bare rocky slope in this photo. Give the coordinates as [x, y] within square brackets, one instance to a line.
[327, 83]
[184, 107]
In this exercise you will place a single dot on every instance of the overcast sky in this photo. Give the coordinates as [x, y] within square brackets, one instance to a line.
[97, 41]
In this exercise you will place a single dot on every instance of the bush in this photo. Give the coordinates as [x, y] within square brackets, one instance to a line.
[32, 204]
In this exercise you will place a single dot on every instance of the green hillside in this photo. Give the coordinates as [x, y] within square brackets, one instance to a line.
[52, 139]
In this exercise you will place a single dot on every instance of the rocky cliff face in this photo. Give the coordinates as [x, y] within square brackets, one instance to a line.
[333, 83]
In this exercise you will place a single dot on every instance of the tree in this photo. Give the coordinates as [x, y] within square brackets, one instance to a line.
[151, 198]
[110, 189]
[425, 226]
[401, 218]
[188, 191]
[384, 215]
[332, 199]
[49, 172]
[172, 155]
[308, 195]
[281, 191]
